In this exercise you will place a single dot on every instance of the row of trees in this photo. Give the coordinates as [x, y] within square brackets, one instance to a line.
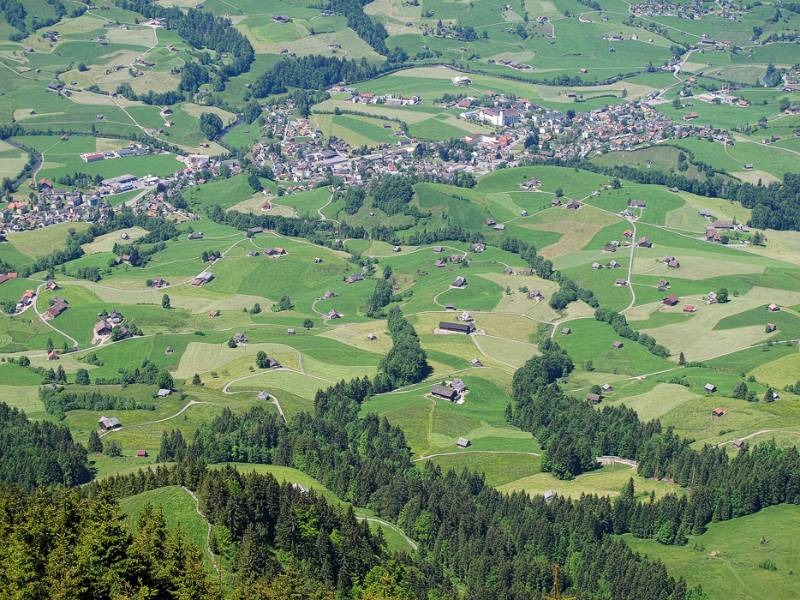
[58, 401]
[371, 31]
[620, 324]
[313, 72]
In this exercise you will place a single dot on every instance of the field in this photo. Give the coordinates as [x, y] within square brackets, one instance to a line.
[726, 559]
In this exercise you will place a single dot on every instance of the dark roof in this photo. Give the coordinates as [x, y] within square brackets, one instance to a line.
[459, 327]
[444, 391]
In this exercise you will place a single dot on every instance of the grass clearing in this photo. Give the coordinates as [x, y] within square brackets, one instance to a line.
[725, 559]
[607, 481]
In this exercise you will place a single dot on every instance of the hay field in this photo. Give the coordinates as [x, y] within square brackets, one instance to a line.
[607, 481]
[12, 160]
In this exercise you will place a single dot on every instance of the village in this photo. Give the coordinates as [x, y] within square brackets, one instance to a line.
[304, 158]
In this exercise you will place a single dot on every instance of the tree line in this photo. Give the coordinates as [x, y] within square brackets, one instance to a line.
[371, 31]
[58, 401]
[314, 72]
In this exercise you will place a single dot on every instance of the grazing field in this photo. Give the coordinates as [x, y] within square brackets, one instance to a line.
[607, 481]
[727, 560]
[12, 160]
[43, 241]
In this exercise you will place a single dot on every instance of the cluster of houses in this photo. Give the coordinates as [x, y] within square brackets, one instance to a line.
[387, 99]
[694, 10]
[719, 230]
[624, 126]
[505, 62]
[106, 323]
[52, 205]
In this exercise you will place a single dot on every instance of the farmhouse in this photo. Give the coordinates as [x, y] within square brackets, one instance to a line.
[689, 308]
[773, 307]
[354, 277]
[459, 282]
[621, 282]
[710, 388]
[729, 225]
[613, 264]
[476, 362]
[771, 327]
[195, 235]
[672, 262]
[463, 442]
[566, 331]
[456, 327]
[670, 300]
[637, 203]
[202, 279]
[536, 295]
[719, 412]
[109, 423]
[644, 242]
[438, 249]
[444, 391]
[58, 306]
[333, 314]
[440, 263]
[163, 393]
[461, 80]
[141, 454]
[594, 398]
[549, 496]
[617, 344]
[240, 338]
[663, 285]
[276, 252]
[102, 327]
[607, 387]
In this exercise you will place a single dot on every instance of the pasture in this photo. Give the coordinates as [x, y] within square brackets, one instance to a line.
[727, 559]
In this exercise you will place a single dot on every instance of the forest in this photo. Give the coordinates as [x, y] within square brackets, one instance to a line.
[38, 453]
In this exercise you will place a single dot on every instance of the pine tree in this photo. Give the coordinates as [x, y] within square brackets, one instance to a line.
[95, 443]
